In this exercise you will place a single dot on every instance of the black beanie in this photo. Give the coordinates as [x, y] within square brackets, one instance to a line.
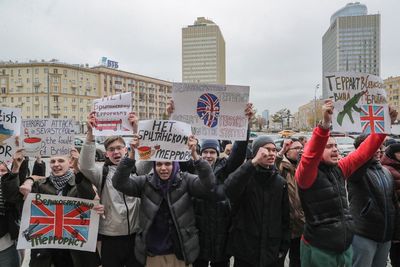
[261, 141]
[210, 143]
[390, 150]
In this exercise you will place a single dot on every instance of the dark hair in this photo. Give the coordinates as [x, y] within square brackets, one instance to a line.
[295, 139]
[359, 139]
[301, 138]
[112, 139]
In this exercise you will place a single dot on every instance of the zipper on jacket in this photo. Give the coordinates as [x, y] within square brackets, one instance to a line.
[127, 214]
[381, 181]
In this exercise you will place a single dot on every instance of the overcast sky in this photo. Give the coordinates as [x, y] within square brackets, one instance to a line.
[273, 46]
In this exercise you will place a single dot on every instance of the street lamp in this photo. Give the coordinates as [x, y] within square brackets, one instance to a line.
[315, 104]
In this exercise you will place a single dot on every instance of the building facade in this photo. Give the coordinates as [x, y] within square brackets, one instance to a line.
[60, 90]
[352, 42]
[392, 87]
[309, 114]
[203, 53]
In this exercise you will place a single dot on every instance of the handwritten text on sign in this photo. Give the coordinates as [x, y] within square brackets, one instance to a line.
[213, 111]
[164, 140]
[58, 222]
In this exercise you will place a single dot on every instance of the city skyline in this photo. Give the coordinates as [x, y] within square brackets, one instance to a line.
[275, 48]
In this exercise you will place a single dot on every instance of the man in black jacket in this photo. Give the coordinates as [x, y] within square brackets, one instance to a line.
[260, 233]
[373, 205]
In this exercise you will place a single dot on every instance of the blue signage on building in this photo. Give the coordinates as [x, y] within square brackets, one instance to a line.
[109, 63]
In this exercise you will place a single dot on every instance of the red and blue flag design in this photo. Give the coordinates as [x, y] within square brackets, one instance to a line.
[372, 119]
[59, 221]
[208, 108]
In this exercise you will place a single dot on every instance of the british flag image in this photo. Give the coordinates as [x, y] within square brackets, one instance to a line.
[58, 221]
[372, 119]
[208, 108]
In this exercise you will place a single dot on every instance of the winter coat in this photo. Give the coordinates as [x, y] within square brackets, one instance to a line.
[260, 227]
[394, 167]
[184, 187]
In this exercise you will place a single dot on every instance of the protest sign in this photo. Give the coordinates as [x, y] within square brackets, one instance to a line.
[112, 115]
[10, 127]
[213, 111]
[47, 137]
[50, 221]
[360, 102]
[163, 140]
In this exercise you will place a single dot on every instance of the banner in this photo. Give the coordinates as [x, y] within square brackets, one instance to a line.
[47, 137]
[10, 127]
[213, 111]
[163, 140]
[112, 115]
[360, 102]
[50, 221]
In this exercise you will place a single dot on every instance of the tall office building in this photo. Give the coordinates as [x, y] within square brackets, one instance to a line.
[203, 53]
[352, 42]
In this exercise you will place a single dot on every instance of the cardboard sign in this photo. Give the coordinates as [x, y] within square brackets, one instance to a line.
[213, 111]
[58, 222]
[112, 115]
[163, 140]
[10, 127]
[47, 137]
[360, 102]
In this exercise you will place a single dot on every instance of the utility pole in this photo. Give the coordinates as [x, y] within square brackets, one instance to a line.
[315, 105]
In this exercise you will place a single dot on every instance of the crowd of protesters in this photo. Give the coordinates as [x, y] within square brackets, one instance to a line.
[304, 202]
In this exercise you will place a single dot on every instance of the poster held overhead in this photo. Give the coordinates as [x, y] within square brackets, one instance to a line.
[360, 102]
[10, 127]
[214, 111]
[112, 115]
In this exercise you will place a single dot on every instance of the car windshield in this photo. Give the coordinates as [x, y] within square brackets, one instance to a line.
[344, 140]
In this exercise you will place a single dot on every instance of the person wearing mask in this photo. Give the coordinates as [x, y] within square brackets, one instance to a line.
[328, 231]
[260, 233]
[168, 233]
[286, 161]
[391, 160]
[120, 223]
[9, 211]
[373, 205]
[65, 179]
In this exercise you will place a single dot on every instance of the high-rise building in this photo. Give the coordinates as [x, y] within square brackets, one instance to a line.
[203, 53]
[265, 115]
[352, 42]
[392, 87]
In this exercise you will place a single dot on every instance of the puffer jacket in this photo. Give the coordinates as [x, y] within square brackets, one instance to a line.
[297, 219]
[394, 167]
[179, 200]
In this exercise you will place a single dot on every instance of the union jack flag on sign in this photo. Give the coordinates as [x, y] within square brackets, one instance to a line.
[59, 221]
[208, 108]
[372, 119]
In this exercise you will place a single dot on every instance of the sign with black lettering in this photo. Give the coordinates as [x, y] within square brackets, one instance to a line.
[58, 222]
[47, 137]
[163, 140]
[213, 111]
[360, 102]
[112, 115]
[10, 127]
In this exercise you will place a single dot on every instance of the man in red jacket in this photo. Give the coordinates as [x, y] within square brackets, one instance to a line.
[321, 179]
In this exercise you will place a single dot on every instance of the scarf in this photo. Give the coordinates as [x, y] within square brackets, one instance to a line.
[60, 181]
[164, 185]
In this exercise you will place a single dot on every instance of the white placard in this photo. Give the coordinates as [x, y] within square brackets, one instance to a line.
[112, 115]
[10, 127]
[163, 140]
[47, 137]
[360, 102]
[50, 221]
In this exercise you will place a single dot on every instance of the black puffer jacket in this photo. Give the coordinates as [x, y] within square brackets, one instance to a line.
[260, 228]
[179, 202]
[329, 224]
[213, 215]
[373, 202]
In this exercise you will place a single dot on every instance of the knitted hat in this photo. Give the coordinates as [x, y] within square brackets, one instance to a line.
[390, 150]
[210, 143]
[261, 141]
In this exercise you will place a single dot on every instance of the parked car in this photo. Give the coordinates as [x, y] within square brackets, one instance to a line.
[100, 150]
[345, 144]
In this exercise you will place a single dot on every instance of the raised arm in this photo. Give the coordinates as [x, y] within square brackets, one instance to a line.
[200, 185]
[306, 172]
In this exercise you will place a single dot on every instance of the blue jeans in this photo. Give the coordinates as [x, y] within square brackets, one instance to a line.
[367, 252]
[9, 257]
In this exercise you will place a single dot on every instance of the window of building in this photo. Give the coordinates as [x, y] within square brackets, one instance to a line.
[36, 71]
[46, 70]
[12, 99]
[28, 109]
[28, 99]
[55, 71]
[19, 72]
[65, 109]
[55, 98]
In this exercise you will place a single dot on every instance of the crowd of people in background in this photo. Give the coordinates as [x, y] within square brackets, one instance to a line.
[302, 203]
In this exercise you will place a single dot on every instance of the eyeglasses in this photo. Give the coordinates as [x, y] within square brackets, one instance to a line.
[112, 149]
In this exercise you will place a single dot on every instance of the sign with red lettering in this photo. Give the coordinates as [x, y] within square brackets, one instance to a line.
[214, 111]
[58, 222]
